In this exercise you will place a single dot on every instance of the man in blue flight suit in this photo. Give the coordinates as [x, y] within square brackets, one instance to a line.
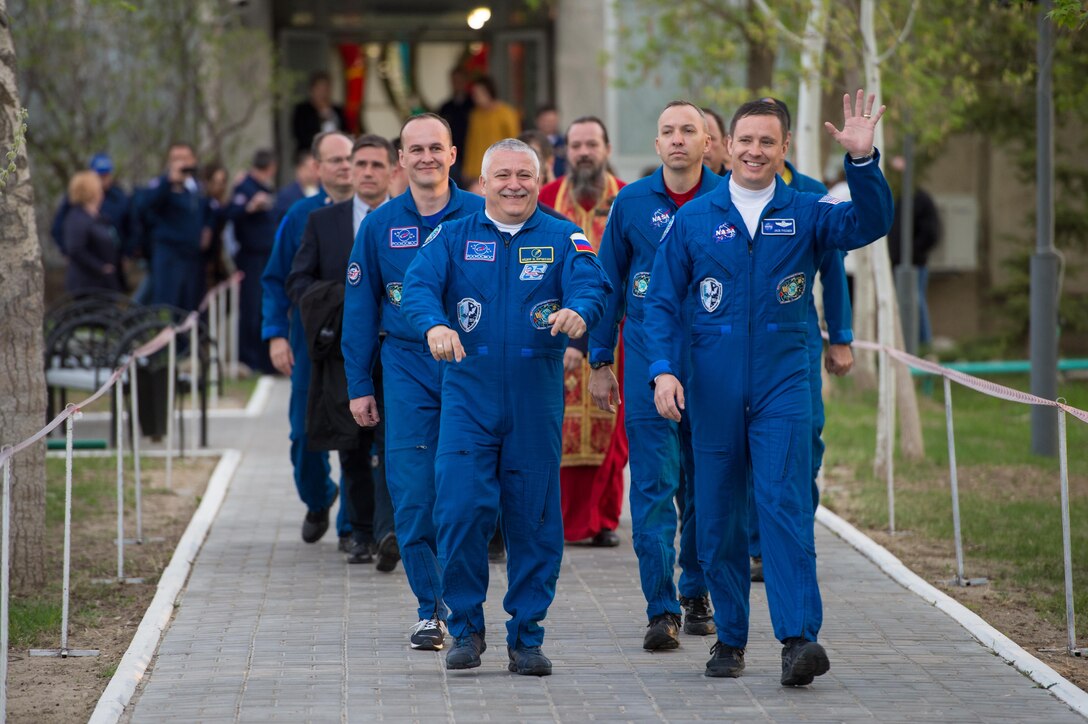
[738, 263]
[282, 328]
[387, 242]
[250, 209]
[660, 449]
[517, 283]
[178, 224]
[838, 316]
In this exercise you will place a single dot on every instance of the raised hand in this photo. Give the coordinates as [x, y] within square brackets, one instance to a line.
[859, 120]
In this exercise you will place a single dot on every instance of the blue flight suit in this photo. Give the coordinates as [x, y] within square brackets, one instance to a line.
[387, 242]
[838, 315]
[748, 392]
[256, 233]
[500, 437]
[660, 449]
[175, 221]
[281, 319]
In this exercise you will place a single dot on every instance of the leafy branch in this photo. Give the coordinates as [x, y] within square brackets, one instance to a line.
[16, 148]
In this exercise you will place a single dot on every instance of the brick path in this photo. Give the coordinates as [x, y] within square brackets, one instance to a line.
[271, 629]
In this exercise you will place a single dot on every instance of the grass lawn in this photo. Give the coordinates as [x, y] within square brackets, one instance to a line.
[1009, 499]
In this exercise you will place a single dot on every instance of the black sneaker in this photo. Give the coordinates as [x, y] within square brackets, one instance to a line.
[344, 546]
[528, 661]
[314, 525]
[725, 661]
[429, 634]
[663, 633]
[605, 539]
[361, 552]
[756, 564]
[698, 620]
[466, 651]
[802, 661]
[388, 553]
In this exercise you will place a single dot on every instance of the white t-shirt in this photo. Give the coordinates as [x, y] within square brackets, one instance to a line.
[750, 203]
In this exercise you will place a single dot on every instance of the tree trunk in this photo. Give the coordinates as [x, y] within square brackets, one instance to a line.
[22, 377]
[760, 65]
[807, 127]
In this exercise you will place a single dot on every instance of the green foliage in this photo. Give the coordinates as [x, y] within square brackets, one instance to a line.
[1070, 14]
[16, 148]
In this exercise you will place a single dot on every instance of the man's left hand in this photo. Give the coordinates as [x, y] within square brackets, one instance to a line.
[568, 322]
[856, 136]
[839, 359]
[572, 359]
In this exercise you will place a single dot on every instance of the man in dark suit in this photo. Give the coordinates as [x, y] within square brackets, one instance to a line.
[317, 114]
[321, 261]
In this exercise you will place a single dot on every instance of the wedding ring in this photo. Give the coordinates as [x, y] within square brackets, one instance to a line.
[866, 115]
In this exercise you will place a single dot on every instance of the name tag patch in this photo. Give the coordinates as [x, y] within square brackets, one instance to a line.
[779, 227]
[541, 314]
[480, 251]
[536, 254]
[791, 288]
[533, 272]
[404, 237]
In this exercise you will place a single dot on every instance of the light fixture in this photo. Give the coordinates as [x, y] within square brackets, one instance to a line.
[479, 17]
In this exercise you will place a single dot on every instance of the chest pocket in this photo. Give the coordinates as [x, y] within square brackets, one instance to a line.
[476, 278]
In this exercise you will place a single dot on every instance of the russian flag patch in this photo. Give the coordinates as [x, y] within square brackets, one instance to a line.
[581, 243]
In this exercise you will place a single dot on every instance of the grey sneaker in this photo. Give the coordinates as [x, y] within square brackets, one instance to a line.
[802, 661]
[429, 634]
[466, 651]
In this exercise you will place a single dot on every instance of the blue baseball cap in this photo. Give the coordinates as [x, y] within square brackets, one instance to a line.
[101, 164]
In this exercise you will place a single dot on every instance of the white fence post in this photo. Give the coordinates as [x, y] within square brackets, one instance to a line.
[194, 380]
[1067, 547]
[235, 322]
[213, 338]
[171, 373]
[134, 405]
[888, 386]
[960, 579]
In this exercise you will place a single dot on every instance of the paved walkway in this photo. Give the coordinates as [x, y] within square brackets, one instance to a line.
[271, 629]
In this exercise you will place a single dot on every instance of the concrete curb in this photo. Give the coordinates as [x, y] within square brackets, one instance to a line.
[987, 635]
[133, 665]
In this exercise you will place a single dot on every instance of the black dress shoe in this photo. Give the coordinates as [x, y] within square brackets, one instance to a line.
[314, 525]
[361, 552]
[606, 539]
[344, 546]
[388, 553]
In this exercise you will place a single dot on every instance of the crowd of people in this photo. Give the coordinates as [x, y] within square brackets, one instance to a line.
[486, 365]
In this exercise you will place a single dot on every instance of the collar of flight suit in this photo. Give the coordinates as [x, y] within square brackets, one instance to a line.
[532, 222]
[657, 183]
[455, 202]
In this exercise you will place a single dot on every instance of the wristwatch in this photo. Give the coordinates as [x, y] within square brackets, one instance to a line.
[598, 365]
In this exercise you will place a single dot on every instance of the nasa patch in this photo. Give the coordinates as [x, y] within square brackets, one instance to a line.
[791, 288]
[540, 315]
[660, 218]
[394, 290]
[404, 237]
[479, 251]
[468, 313]
[533, 272]
[725, 232]
[640, 284]
[355, 274]
[779, 227]
[431, 236]
[710, 293]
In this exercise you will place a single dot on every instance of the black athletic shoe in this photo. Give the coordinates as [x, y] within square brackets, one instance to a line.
[528, 661]
[429, 634]
[663, 633]
[466, 651]
[314, 525]
[698, 620]
[344, 546]
[756, 564]
[606, 539]
[802, 661]
[361, 552]
[725, 661]
[388, 553]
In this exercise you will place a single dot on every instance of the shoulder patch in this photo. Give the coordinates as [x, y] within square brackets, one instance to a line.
[581, 243]
[355, 273]
[668, 228]
[829, 199]
[433, 235]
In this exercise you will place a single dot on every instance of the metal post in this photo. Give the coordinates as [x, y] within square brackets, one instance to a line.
[64, 652]
[223, 340]
[960, 579]
[171, 372]
[1067, 548]
[234, 327]
[213, 338]
[889, 443]
[5, 563]
[135, 427]
[194, 378]
[119, 391]
[1045, 261]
